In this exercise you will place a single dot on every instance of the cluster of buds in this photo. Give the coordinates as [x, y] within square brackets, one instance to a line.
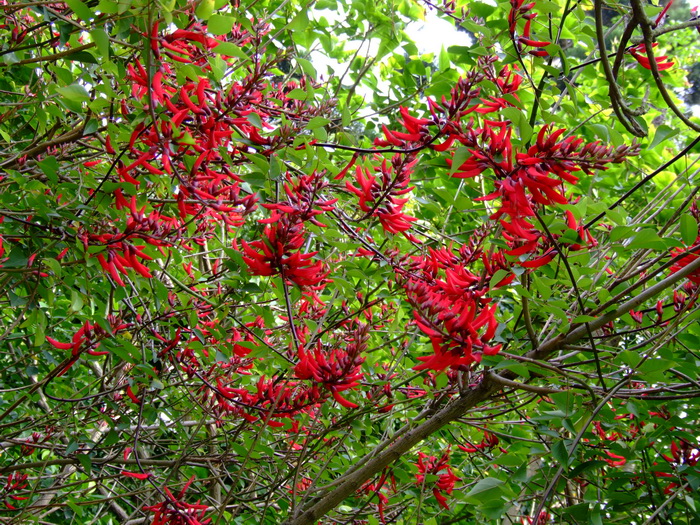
[520, 10]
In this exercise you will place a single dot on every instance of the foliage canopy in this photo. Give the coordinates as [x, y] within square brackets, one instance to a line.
[275, 263]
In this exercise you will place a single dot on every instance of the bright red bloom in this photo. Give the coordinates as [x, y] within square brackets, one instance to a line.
[136, 475]
[662, 14]
[385, 483]
[451, 306]
[87, 339]
[338, 369]
[303, 201]
[446, 481]
[490, 441]
[507, 81]
[174, 511]
[639, 54]
[278, 252]
[685, 261]
[614, 460]
[683, 453]
[381, 198]
[15, 482]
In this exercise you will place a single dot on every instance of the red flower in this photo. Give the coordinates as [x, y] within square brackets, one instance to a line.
[450, 304]
[693, 254]
[446, 481]
[136, 475]
[338, 369]
[662, 14]
[15, 481]
[490, 440]
[303, 202]
[174, 511]
[87, 339]
[614, 460]
[381, 198]
[277, 253]
[639, 54]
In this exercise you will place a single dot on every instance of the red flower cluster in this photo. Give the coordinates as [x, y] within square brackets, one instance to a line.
[507, 81]
[278, 252]
[525, 181]
[87, 339]
[490, 441]
[451, 306]
[303, 198]
[200, 136]
[520, 10]
[381, 199]
[683, 460]
[174, 511]
[120, 252]
[417, 128]
[28, 448]
[446, 481]
[379, 488]
[337, 369]
[693, 254]
[15, 482]
[272, 400]
[683, 453]
[542, 519]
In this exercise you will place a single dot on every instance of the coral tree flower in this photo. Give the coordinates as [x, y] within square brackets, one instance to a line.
[277, 253]
[446, 481]
[639, 52]
[174, 511]
[693, 254]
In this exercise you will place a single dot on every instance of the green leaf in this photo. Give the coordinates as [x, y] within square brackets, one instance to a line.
[230, 49]
[82, 56]
[204, 10]
[86, 461]
[484, 485]
[255, 120]
[101, 39]
[481, 9]
[689, 229]
[74, 93]
[300, 21]
[548, 7]
[76, 301]
[560, 453]
[49, 166]
[80, 9]
[307, 67]
[39, 336]
[317, 122]
[459, 157]
[220, 25]
[647, 239]
[111, 438]
[663, 132]
[443, 60]
[298, 94]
